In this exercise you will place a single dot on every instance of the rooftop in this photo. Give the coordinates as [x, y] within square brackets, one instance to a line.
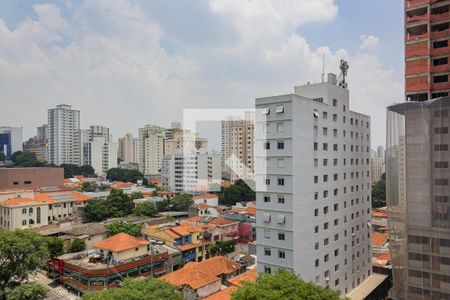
[379, 239]
[206, 196]
[120, 242]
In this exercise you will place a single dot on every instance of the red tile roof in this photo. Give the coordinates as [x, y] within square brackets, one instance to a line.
[188, 246]
[249, 276]
[224, 294]
[120, 242]
[221, 221]
[379, 239]
[206, 196]
[171, 233]
[24, 201]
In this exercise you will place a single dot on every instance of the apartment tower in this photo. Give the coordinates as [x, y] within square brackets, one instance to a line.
[313, 183]
[427, 49]
[127, 150]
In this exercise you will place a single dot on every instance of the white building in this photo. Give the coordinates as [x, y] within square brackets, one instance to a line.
[151, 149]
[312, 175]
[187, 172]
[377, 168]
[128, 149]
[11, 139]
[98, 150]
[186, 141]
[63, 140]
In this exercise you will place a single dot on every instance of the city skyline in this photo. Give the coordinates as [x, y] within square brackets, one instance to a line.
[172, 67]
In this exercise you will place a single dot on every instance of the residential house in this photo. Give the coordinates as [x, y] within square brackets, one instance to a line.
[219, 228]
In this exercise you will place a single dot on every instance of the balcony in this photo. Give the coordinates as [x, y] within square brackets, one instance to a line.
[440, 34]
[440, 17]
[440, 68]
[440, 86]
[414, 3]
[417, 87]
[414, 19]
[417, 70]
[440, 51]
[416, 52]
[412, 37]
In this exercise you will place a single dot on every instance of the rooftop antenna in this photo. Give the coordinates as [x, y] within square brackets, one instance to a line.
[323, 68]
[344, 71]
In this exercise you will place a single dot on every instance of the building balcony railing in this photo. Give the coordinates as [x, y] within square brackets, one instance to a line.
[414, 3]
[440, 69]
[440, 51]
[440, 34]
[413, 19]
[416, 52]
[417, 87]
[417, 70]
[441, 86]
[440, 17]
[413, 37]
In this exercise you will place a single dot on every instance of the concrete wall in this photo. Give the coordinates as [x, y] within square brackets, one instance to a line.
[31, 178]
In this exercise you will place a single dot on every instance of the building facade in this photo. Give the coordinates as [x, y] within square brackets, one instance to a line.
[98, 150]
[63, 135]
[11, 139]
[30, 178]
[377, 168]
[418, 198]
[151, 149]
[127, 149]
[427, 49]
[313, 196]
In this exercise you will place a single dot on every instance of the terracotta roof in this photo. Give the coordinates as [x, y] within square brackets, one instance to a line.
[249, 276]
[206, 196]
[80, 197]
[385, 256]
[379, 239]
[24, 201]
[251, 211]
[171, 233]
[120, 242]
[224, 294]
[122, 185]
[188, 246]
[193, 219]
[218, 265]
[165, 193]
[192, 228]
[379, 214]
[221, 221]
[181, 230]
[203, 206]
[190, 277]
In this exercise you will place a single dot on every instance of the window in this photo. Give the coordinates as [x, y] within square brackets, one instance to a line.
[335, 117]
[325, 115]
[334, 102]
[325, 226]
[30, 210]
[316, 179]
[316, 246]
[316, 147]
[441, 130]
[281, 219]
[267, 252]
[335, 147]
[281, 236]
[325, 194]
[325, 147]
[326, 257]
[279, 109]
[281, 181]
[441, 164]
[24, 222]
[440, 181]
[280, 145]
[325, 178]
[266, 217]
[266, 145]
[267, 181]
[267, 270]
[267, 234]
[266, 199]
[24, 210]
[316, 212]
[325, 162]
[316, 263]
[325, 210]
[27, 182]
[281, 254]
[281, 199]
[266, 111]
[324, 131]
[316, 229]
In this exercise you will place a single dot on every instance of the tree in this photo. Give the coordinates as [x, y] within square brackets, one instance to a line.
[222, 247]
[70, 170]
[136, 195]
[379, 194]
[120, 226]
[96, 210]
[2, 156]
[104, 187]
[283, 285]
[117, 174]
[147, 208]
[119, 204]
[138, 289]
[163, 205]
[181, 202]
[88, 187]
[27, 291]
[238, 192]
[77, 245]
[26, 159]
[55, 246]
[21, 252]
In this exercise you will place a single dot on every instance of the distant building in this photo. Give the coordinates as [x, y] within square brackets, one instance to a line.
[380, 152]
[210, 199]
[186, 141]
[11, 139]
[377, 168]
[63, 135]
[151, 149]
[128, 166]
[98, 149]
[30, 178]
[38, 143]
[127, 150]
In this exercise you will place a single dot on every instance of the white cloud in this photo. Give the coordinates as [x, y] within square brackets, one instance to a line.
[369, 42]
[107, 60]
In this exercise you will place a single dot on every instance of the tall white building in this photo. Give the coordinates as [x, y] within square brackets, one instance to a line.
[151, 149]
[11, 139]
[187, 141]
[312, 175]
[377, 167]
[98, 150]
[127, 149]
[63, 140]
[238, 141]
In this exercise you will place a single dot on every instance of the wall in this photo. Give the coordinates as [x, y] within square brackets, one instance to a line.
[39, 177]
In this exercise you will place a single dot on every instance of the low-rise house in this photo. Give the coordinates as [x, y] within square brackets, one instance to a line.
[210, 199]
[90, 233]
[111, 261]
[234, 284]
[219, 228]
[202, 279]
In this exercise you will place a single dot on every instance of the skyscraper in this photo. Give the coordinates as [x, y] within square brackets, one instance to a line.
[63, 139]
[11, 139]
[151, 149]
[427, 49]
[127, 150]
[418, 192]
[312, 173]
[97, 149]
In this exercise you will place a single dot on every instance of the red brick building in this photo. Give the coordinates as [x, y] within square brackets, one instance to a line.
[427, 49]
[30, 178]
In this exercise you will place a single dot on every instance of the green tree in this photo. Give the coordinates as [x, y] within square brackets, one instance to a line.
[163, 205]
[138, 289]
[77, 245]
[181, 202]
[136, 195]
[55, 246]
[379, 194]
[283, 285]
[117, 174]
[21, 252]
[147, 208]
[27, 291]
[120, 226]
[2, 156]
[88, 187]
[70, 170]
[222, 247]
[26, 159]
[96, 210]
[238, 192]
[104, 187]
[119, 204]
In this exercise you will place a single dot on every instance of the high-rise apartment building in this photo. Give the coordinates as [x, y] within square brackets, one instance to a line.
[97, 149]
[11, 139]
[377, 167]
[187, 141]
[427, 49]
[63, 140]
[38, 143]
[418, 191]
[238, 146]
[127, 149]
[151, 149]
[313, 195]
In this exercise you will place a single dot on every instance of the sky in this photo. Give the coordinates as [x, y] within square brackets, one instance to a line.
[126, 63]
